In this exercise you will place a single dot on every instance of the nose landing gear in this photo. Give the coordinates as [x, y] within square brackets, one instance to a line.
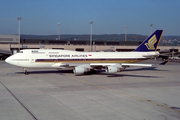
[25, 71]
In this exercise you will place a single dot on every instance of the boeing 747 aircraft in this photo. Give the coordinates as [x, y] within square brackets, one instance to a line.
[82, 62]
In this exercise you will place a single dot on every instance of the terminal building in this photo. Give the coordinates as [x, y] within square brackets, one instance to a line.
[7, 39]
[13, 39]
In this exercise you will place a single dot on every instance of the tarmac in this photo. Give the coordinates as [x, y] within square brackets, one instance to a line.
[47, 94]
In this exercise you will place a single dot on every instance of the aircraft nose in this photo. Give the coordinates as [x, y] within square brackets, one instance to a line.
[7, 60]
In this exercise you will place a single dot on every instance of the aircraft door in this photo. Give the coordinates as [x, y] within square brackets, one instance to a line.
[32, 60]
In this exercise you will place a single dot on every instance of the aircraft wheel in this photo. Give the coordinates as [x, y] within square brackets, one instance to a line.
[25, 71]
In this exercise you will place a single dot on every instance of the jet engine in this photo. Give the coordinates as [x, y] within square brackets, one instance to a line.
[79, 70]
[114, 68]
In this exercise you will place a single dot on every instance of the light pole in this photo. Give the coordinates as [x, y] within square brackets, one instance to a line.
[19, 19]
[91, 23]
[59, 31]
[125, 32]
[151, 28]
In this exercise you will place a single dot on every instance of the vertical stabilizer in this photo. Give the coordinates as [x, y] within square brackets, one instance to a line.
[151, 43]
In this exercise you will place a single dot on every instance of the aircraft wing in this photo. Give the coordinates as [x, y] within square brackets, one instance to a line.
[101, 65]
[137, 65]
[104, 65]
[93, 65]
[80, 68]
[123, 64]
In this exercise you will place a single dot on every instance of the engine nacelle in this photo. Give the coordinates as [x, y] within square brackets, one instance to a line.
[114, 68]
[79, 70]
[111, 69]
[121, 69]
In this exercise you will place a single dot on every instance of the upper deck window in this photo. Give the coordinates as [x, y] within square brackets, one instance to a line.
[53, 52]
[37, 52]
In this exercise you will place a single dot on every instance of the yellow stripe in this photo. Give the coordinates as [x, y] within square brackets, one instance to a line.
[4, 70]
[166, 62]
[159, 40]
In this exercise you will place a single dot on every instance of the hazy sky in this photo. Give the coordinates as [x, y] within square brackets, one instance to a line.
[41, 17]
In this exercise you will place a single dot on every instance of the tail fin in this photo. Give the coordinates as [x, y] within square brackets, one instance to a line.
[151, 43]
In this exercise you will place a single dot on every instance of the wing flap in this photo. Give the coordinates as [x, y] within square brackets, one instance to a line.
[109, 64]
[137, 65]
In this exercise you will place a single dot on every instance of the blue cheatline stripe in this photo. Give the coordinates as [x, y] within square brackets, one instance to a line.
[92, 60]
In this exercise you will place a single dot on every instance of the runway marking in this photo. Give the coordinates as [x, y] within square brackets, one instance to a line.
[25, 107]
[4, 70]
[7, 72]
[138, 98]
[10, 73]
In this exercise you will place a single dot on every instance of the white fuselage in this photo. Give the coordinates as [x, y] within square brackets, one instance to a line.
[52, 58]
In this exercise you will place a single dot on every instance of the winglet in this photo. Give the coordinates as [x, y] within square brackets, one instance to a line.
[164, 63]
[151, 43]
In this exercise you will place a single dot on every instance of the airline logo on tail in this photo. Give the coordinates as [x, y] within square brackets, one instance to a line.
[151, 42]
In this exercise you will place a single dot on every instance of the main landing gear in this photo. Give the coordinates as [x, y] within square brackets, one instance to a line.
[25, 71]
